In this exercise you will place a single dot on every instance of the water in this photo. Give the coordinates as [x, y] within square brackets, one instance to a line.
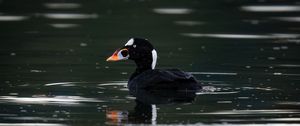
[53, 69]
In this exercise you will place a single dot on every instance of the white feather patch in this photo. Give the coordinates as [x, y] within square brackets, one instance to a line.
[154, 114]
[154, 58]
[130, 42]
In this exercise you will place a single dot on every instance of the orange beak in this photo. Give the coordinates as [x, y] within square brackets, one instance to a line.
[116, 56]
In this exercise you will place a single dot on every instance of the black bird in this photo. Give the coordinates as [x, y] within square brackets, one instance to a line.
[146, 76]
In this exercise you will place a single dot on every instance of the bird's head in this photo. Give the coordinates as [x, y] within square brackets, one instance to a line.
[138, 49]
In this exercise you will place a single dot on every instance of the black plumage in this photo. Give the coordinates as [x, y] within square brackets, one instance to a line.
[146, 77]
[158, 79]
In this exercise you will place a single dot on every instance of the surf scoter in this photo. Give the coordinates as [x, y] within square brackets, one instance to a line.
[146, 76]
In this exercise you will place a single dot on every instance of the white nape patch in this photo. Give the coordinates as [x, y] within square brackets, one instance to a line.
[154, 58]
[130, 42]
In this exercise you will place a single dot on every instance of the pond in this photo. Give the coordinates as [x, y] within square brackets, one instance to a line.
[54, 71]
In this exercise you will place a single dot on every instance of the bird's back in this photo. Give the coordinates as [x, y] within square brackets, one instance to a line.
[158, 79]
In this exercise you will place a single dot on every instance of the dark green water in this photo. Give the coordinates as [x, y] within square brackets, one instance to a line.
[53, 70]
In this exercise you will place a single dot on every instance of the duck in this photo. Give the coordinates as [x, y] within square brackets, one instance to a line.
[146, 76]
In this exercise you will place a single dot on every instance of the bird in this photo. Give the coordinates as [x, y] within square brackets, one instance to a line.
[146, 76]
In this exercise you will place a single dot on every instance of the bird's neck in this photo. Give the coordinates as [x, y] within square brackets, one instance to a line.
[142, 65]
[148, 62]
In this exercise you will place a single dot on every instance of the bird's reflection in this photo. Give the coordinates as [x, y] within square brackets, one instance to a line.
[145, 109]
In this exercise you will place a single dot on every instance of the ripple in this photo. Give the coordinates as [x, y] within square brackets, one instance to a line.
[35, 118]
[189, 23]
[70, 16]
[290, 65]
[60, 83]
[114, 83]
[67, 100]
[271, 8]
[172, 10]
[64, 25]
[130, 97]
[259, 88]
[213, 73]
[224, 102]
[8, 114]
[252, 112]
[13, 93]
[31, 124]
[288, 19]
[242, 36]
[208, 89]
[124, 89]
[229, 124]
[289, 120]
[62, 5]
[12, 18]
[285, 74]
[37, 71]
[216, 93]
[288, 103]
[283, 119]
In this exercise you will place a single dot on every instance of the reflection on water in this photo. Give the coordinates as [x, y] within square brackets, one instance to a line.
[289, 19]
[62, 5]
[271, 8]
[213, 73]
[189, 23]
[12, 18]
[251, 112]
[69, 16]
[172, 10]
[64, 25]
[47, 100]
[244, 53]
[244, 36]
[145, 110]
[30, 124]
[149, 107]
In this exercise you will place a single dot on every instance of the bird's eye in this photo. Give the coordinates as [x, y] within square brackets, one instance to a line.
[124, 53]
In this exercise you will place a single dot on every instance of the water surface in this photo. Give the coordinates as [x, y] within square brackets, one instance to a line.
[53, 69]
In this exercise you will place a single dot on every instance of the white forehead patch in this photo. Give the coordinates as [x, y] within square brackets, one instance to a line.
[154, 58]
[130, 42]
